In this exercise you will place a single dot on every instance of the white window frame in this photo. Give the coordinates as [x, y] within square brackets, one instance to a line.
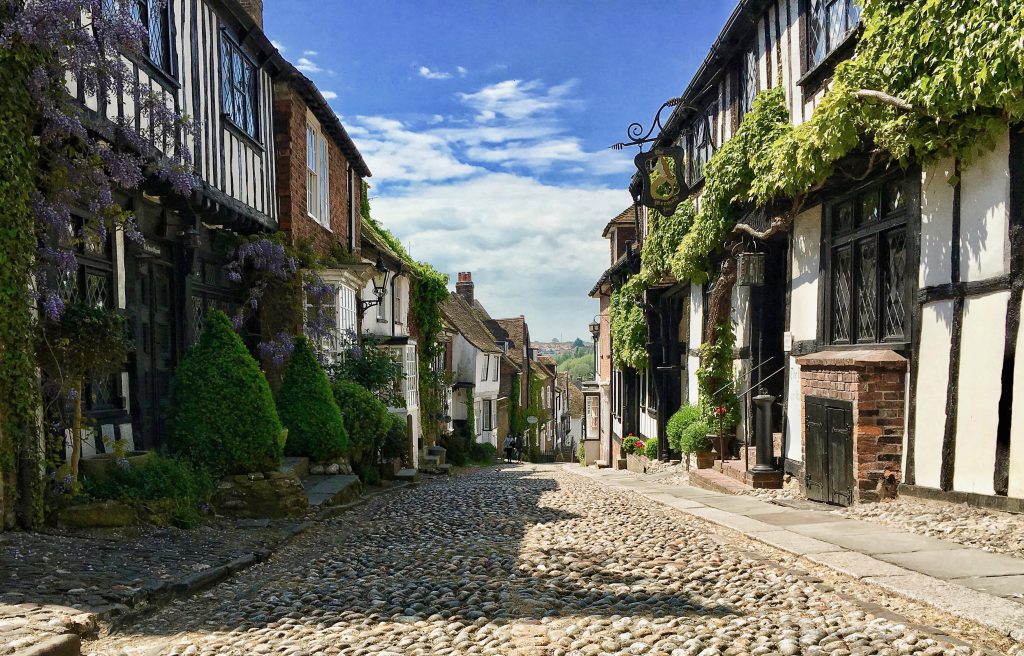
[486, 368]
[497, 368]
[346, 310]
[318, 200]
[412, 380]
[328, 346]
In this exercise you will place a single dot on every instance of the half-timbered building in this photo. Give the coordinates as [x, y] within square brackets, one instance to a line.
[211, 61]
[888, 324]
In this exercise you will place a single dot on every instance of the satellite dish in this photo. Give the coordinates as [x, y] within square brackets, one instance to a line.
[531, 420]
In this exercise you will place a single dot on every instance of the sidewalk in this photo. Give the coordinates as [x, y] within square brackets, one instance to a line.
[975, 585]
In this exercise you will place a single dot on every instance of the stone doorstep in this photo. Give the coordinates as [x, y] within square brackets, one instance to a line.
[331, 489]
[712, 479]
[408, 475]
[62, 645]
[976, 599]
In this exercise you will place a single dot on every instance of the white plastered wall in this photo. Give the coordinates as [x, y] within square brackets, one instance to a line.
[979, 388]
[1016, 488]
[984, 224]
[936, 225]
[696, 324]
[932, 383]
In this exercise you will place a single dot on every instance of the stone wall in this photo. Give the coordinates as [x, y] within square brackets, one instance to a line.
[873, 382]
[274, 494]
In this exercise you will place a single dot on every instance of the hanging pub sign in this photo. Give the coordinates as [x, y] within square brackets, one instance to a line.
[661, 171]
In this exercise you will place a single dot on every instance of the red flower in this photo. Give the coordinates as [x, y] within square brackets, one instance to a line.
[721, 410]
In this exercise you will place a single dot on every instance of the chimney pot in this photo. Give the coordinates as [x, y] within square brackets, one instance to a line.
[464, 287]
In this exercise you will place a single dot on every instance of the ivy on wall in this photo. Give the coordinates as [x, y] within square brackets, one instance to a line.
[628, 323]
[21, 495]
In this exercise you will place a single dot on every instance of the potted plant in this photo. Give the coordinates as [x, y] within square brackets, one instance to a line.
[698, 439]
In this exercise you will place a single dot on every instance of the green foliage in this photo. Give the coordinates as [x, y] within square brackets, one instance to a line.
[664, 234]
[579, 364]
[187, 485]
[482, 453]
[629, 443]
[695, 437]
[20, 459]
[715, 382]
[222, 414]
[374, 367]
[366, 419]
[395, 442]
[678, 423]
[86, 340]
[308, 409]
[628, 327]
[516, 413]
[470, 414]
[581, 453]
[651, 448]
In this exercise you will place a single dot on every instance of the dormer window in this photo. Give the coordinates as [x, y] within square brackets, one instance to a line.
[829, 22]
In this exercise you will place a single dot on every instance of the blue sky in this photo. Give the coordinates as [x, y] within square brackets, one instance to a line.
[486, 125]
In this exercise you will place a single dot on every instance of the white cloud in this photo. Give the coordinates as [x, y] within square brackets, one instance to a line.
[329, 95]
[310, 53]
[461, 70]
[518, 100]
[277, 44]
[533, 248]
[308, 66]
[436, 118]
[397, 154]
[433, 75]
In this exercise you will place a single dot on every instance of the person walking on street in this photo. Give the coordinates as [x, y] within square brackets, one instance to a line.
[509, 447]
[519, 448]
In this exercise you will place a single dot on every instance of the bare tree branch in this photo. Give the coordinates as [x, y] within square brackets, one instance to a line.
[885, 98]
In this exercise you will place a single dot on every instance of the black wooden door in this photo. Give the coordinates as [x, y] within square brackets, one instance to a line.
[155, 347]
[829, 451]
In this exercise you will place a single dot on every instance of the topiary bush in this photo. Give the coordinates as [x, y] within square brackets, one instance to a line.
[482, 453]
[651, 448]
[367, 420]
[308, 409]
[678, 423]
[221, 414]
[396, 441]
[695, 437]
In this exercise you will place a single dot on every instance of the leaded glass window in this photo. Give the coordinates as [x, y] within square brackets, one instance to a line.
[748, 81]
[829, 22]
[239, 84]
[869, 265]
[701, 142]
[154, 15]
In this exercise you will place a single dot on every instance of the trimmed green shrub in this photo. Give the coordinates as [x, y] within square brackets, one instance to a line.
[366, 419]
[482, 453]
[456, 447]
[396, 439]
[695, 437]
[308, 409]
[222, 415]
[187, 485]
[581, 453]
[678, 423]
[651, 448]
[629, 445]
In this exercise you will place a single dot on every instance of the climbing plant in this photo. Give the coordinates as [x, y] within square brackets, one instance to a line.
[715, 378]
[628, 323]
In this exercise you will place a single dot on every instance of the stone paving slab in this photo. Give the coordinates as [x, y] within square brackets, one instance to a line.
[742, 506]
[784, 517]
[855, 564]
[731, 520]
[957, 563]
[894, 542]
[793, 543]
[1001, 614]
[1003, 586]
[825, 530]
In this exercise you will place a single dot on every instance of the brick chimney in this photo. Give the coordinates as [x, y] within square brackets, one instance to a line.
[464, 286]
[255, 10]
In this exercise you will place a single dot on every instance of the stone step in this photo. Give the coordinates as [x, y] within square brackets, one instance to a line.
[297, 466]
[437, 470]
[430, 461]
[408, 475]
[712, 479]
[331, 490]
[601, 464]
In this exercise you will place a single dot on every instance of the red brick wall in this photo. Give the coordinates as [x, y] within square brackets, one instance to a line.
[875, 386]
[290, 144]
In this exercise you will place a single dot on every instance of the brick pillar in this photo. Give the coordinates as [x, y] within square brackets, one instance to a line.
[873, 381]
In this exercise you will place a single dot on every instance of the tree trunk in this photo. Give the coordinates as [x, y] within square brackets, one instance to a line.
[721, 298]
[76, 433]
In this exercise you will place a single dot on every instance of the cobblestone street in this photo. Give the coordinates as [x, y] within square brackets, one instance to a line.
[520, 560]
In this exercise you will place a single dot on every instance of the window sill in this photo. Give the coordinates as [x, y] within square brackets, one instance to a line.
[317, 221]
[154, 71]
[242, 134]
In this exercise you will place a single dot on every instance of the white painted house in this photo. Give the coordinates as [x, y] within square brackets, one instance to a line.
[476, 370]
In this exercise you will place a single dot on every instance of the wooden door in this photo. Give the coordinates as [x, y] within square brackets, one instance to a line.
[828, 457]
[155, 348]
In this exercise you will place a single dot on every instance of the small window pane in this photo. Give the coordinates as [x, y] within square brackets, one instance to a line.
[867, 290]
[841, 296]
[895, 197]
[817, 39]
[836, 23]
[869, 208]
[895, 283]
[842, 218]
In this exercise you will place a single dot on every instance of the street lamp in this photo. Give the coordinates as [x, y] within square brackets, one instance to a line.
[380, 285]
[595, 331]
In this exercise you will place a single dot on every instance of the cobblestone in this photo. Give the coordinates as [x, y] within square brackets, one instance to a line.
[522, 561]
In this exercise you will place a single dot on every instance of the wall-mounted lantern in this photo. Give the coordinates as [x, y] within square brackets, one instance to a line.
[380, 285]
[750, 269]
